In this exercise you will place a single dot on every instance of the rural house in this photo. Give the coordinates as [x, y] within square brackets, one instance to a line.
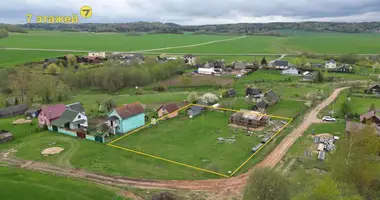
[77, 106]
[331, 64]
[372, 116]
[13, 110]
[255, 94]
[291, 71]
[50, 113]
[71, 120]
[230, 93]
[97, 54]
[32, 113]
[308, 76]
[261, 106]
[5, 136]
[126, 118]
[248, 119]
[271, 97]
[190, 59]
[344, 69]
[169, 109]
[374, 89]
[239, 65]
[279, 64]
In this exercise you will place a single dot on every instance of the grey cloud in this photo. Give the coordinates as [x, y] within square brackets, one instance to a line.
[196, 11]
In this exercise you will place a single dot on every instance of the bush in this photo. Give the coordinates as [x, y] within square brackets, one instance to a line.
[139, 91]
[159, 88]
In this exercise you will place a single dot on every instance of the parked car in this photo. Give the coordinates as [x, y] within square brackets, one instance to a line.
[328, 119]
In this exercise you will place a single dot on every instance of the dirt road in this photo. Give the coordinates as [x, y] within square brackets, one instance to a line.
[221, 186]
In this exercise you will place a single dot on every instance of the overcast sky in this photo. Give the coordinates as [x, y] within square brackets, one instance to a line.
[196, 12]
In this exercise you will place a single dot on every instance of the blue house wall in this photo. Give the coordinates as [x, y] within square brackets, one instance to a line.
[132, 123]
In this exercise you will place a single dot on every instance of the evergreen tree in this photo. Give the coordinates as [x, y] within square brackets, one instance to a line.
[264, 61]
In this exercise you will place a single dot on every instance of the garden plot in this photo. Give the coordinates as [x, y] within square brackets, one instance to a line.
[206, 141]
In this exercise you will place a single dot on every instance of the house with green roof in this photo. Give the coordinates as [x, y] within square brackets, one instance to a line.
[71, 120]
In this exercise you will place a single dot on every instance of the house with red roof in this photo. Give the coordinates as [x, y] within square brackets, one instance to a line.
[171, 110]
[50, 113]
[126, 118]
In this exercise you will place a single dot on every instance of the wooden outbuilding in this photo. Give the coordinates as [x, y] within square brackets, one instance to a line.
[5, 136]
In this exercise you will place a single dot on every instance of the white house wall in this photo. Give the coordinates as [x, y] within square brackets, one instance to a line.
[82, 116]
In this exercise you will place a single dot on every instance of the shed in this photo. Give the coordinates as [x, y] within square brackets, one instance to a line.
[252, 92]
[32, 113]
[5, 136]
[230, 93]
[195, 110]
[13, 110]
[272, 97]
[169, 109]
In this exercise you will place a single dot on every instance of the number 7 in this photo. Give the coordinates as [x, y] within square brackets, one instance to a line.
[87, 11]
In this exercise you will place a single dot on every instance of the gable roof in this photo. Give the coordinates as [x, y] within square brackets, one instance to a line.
[331, 61]
[16, 109]
[53, 111]
[252, 91]
[370, 114]
[376, 85]
[280, 63]
[67, 116]
[231, 92]
[76, 107]
[169, 107]
[262, 104]
[129, 110]
[188, 56]
[196, 110]
[272, 96]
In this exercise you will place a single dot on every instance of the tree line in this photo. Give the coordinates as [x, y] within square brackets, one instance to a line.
[245, 28]
[13, 28]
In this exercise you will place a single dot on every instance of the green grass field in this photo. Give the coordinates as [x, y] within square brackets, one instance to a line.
[9, 58]
[195, 141]
[311, 42]
[18, 184]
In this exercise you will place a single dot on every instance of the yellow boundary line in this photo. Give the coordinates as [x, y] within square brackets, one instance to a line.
[167, 160]
[191, 166]
[245, 162]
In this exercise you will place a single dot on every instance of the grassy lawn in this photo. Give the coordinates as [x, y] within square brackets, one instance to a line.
[9, 58]
[286, 108]
[18, 130]
[333, 128]
[362, 105]
[19, 184]
[333, 43]
[194, 142]
[103, 42]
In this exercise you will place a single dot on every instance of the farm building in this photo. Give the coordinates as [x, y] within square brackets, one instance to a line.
[13, 110]
[77, 106]
[71, 120]
[169, 109]
[279, 64]
[32, 113]
[230, 93]
[209, 71]
[190, 59]
[291, 71]
[97, 54]
[308, 76]
[331, 64]
[344, 69]
[260, 106]
[271, 97]
[195, 110]
[126, 118]
[5, 136]
[240, 65]
[372, 116]
[374, 89]
[249, 119]
[50, 113]
[255, 94]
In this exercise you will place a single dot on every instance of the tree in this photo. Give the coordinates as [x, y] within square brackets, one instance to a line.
[52, 69]
[193, 97]
[264, 62]
[353, 162]
[372, 108]
[3, 33]
[267, 184]
[319, 77]
[16, 101]
[346, 108]
[71, 60]
[209, 98]
[165, 196]
[107, 105]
